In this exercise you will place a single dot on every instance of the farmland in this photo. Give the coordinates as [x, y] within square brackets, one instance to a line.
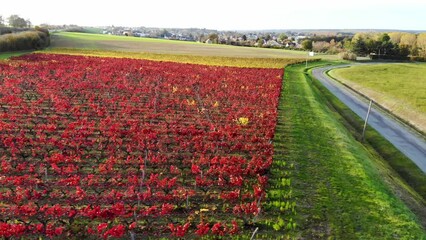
[161, 46]
[104, 147]
[205, 60]
[400, 88]
[110, 147]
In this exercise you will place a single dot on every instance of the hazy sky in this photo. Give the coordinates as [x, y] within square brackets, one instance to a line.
[226, 14]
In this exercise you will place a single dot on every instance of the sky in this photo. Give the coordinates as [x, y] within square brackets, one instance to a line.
[226, 14]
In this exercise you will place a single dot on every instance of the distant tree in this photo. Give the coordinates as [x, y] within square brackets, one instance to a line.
[244, 37]
[334, 47]
[201, 37]
[371, 45]
[359, 47]
[402, 51]
[321, 46]
[16, 21]
[268, 37]
[190, 36]
[409, 40]
[380, 44]
[347, 44]
[421, 44]
[214, 37]
[307, 44]
[385, 38]
[358, 36]
[282, 37]
[395, 37]
[28, 23]
[1, 21]
[164, 33]
[260, 42]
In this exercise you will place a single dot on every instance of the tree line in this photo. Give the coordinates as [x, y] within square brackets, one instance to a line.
[15, 21]
[393, 45]
[20, 36]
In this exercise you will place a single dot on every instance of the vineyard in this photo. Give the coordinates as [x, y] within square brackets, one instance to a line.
[108, 147]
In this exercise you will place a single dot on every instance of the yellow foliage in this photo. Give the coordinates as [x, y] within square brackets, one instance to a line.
[243, 121]
[246, 62]
[191, 102]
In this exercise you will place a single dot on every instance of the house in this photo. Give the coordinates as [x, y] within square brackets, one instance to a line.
[299, 38]
[290, 45]
[272, 43]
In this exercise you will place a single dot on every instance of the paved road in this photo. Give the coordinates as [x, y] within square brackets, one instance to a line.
[401, 136]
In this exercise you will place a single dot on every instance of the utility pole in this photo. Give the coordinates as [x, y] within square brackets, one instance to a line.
[366, 120]
[307, 60]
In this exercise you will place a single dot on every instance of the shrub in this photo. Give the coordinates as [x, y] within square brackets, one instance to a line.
[418, 58]
[27, 40]
[347, 56]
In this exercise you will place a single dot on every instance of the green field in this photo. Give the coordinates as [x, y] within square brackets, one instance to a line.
[6, 55]
[400, 88]
[151, 45]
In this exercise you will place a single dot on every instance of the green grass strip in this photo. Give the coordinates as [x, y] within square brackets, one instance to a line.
[398, 161]
[336, 183]
[7, 55]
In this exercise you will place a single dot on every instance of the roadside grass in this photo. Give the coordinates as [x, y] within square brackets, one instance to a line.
[409, 177]
[399, 88]
[152, 45]
[6, 55]
[337, 183]
[207, 60]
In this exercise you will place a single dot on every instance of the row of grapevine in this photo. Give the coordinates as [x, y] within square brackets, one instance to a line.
[108, 147]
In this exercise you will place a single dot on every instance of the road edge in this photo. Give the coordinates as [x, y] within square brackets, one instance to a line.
[384, 150]
[409, 125]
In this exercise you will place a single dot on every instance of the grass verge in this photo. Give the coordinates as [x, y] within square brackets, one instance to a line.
[398, 161]
[336, 182]
[6, 55]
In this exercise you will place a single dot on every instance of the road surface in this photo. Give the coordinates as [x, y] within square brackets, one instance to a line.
[409, 142]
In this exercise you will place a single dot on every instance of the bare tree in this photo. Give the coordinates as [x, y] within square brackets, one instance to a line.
[320, 46]
[1, 21]
[16, 21]
[28, 23]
